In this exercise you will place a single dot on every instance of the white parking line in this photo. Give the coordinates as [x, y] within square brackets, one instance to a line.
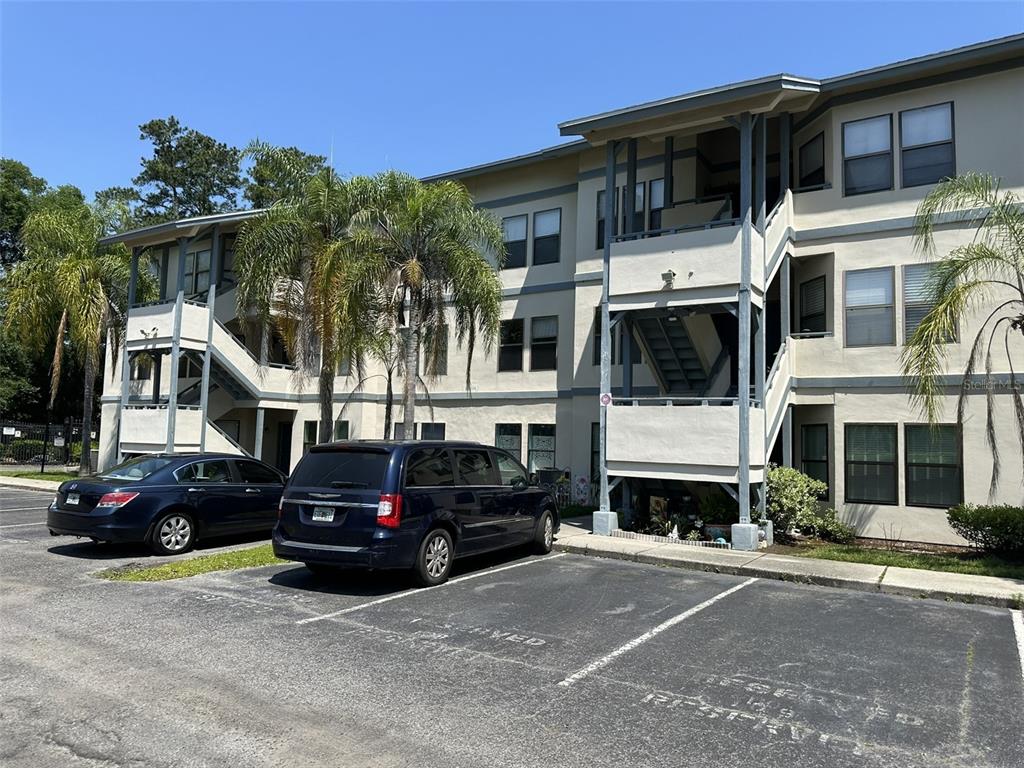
[604, 661]
[420, 591]
[1018, 631]
[22, 509]
[21, 525]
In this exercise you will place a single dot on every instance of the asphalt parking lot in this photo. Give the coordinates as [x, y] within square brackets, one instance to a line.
[518, 661]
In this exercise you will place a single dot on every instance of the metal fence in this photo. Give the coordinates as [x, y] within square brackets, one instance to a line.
[55, 447]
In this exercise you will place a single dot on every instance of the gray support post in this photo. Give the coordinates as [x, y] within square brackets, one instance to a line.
[760, 346]
[626, 351]
[158, 372]
[787, 437]
[126, 364]
[211, 300]
[629, 204]
[606, 521]
[165, 261]
[257, 450]
[785, 138]
[669, 171]
[785, 298]
[742, 536]
[179, 308]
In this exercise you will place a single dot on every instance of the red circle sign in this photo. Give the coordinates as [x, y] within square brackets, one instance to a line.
[606, 399]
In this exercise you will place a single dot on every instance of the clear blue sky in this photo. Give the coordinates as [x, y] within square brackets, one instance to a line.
[423, 87]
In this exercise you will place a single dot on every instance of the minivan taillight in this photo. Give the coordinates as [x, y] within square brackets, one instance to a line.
[389, 510]
[116, 499]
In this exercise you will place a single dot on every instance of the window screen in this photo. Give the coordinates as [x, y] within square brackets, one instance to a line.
[934, 474]
[869, 308]
[514, 231]
[547, 236]
[926, 145]
[544, 343]
[871, 474]
[812, 306]
[867, 155]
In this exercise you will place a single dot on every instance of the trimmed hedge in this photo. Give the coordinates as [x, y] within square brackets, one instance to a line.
[997, 528]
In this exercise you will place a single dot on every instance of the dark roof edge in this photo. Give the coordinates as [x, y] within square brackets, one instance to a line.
[559, 150]
[173, 226]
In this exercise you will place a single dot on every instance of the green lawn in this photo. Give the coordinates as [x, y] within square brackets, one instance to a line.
[253, 557]
[970, 563]
[57, 477]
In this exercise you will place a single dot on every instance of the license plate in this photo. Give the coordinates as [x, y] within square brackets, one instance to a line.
[323, 514]
[72, 498]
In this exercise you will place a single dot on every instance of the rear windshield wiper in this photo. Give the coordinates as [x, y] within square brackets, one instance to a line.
[348, 484]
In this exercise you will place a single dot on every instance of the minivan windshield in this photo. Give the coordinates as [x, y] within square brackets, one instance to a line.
[139, 468]
[341, 469]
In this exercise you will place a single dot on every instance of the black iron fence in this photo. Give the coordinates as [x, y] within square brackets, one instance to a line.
[54, 447]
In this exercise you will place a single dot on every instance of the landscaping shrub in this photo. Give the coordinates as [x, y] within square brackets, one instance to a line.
[824, 524]
[998, 528]
[716, 507]
[793, 500]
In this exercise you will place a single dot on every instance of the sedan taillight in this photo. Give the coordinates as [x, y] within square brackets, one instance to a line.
[116, 499]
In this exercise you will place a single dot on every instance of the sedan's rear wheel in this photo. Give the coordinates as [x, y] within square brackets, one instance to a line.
[434, 560]
[173, 534]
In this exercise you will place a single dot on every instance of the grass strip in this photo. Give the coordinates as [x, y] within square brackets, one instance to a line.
[975, 564]
[253, 557]
[57, 477]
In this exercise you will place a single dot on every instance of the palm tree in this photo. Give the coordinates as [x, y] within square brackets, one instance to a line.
[424, 247]
[986, 273]
[291, 260]
[70, 293]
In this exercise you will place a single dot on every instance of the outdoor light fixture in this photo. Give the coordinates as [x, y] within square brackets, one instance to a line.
[668, 277]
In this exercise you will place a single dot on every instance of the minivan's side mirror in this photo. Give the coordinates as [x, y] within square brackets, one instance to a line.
[534, 479]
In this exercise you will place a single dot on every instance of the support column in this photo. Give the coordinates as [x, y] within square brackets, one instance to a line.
[211, 300]
[629, 203]
[787, 437]
[785, 298]
[760, 346]
[744, 534]
[179, 307]
[626, 340]
[669, 171]
[126, 363]
[785, 139]
[158, 372]
[606, 521]
[257, 450]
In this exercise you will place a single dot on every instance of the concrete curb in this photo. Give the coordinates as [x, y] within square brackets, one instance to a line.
[907, 582]
[28, 484]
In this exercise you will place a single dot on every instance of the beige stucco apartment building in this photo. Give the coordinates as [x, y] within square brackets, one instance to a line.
[762, 280]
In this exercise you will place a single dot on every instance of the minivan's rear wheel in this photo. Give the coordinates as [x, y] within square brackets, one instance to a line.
[173, 534]
[434, 560]
[544, 538]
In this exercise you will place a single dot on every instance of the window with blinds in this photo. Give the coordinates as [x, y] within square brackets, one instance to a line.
[812, 162]
[917, 297]
[544, 343]
[812, 305]
[547, 236]
[867, 155]
[926, 145]
[513, 230]
[432, 431]
[871, 472]
[934, 471]
[814, 451]
[870, 315]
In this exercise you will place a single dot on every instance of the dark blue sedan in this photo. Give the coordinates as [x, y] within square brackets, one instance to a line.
[168, 501]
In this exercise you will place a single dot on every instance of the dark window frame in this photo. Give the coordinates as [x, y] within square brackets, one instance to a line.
[653, 225]
[846, 308]
[826, 461]
[338, 423]
[892, 180]
[530, 451]
[907, 464]
[544, 344]
[520, 344]
[422, 427]
[895, 464]
[519, 426]
[951, 142]
[547, 238]
[800, 305]
[805, 180]
[524, 241]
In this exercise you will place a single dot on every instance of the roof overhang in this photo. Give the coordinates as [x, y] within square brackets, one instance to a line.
[172, 230]
[697, 111]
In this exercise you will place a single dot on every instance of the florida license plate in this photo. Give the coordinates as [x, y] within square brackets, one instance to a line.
[323, 514]
[72, 498]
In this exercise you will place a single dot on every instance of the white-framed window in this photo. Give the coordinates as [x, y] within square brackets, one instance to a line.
[513, 230]
[870, 315]
[867, 155]
[547, 236]
[544, 343]
[917, 299]
[871, 464]
[926, 145]
[934, 465]
[656, 199]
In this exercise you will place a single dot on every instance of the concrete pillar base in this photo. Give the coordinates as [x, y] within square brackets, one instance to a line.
[744, 537]
[605, 522]
[769, 532]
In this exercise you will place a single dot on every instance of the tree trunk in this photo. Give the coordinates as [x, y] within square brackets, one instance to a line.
[85, 460]
[389, 404]
[326, 399]
[412, 368]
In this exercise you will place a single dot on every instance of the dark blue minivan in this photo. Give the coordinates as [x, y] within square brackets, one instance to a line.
[409, 504]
